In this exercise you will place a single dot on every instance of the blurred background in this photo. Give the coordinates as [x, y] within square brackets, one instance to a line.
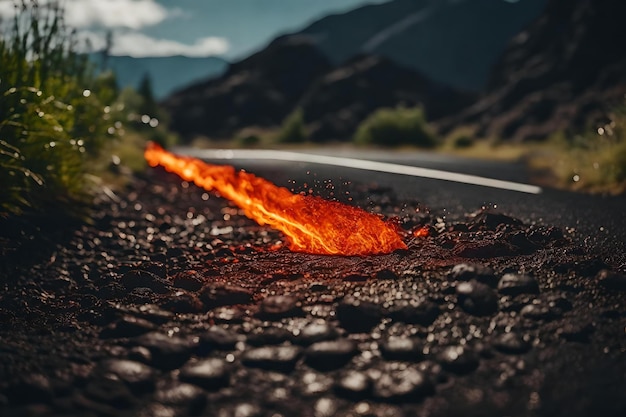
[538, 81]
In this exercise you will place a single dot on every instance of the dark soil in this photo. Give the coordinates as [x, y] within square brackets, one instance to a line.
[171, 303]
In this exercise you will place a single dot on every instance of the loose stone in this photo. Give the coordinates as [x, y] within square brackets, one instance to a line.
[211, 373]
[515, 284]
[274, 358]
[476, 298]
[458, 359]
[329, 355]
[358, 316]
[416, 311]
[399, 348]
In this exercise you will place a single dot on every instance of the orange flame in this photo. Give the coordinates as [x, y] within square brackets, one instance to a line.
[311, 224]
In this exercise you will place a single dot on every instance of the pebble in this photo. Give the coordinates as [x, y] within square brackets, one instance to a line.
[399, 348]
[401, 385]
[29, 388]
[316, 332]
[478, 272]
[110, 392]
[216, 338]
[358, 316]
[127, 326]
[137, 278]
[167, 352]
[458, 359]
[183, 302]
[273, 358]
[218, 295]
[188, 280]
[539, 311]
[576, 332]
[476, 298]
[138, 376]
[415, 311]
[611, 280]
[211, 373]
[277, 307]
[263, 336]
[331, 354]
[515, 284]
[354, 385]
[512, 343]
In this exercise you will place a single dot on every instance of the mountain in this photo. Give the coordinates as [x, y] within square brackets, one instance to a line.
[566, 71]
[293, 73]
[335, 105]
[167, 74]
[455, 42]
[257, 91]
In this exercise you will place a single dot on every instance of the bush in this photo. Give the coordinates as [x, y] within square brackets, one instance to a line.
[394, 127]
[293, 129]
[53, 115]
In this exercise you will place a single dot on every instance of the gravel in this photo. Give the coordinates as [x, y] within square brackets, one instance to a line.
[170, 302]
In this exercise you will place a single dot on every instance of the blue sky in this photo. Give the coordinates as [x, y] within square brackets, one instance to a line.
[228, 28]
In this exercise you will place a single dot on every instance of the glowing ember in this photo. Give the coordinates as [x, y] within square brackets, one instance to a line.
[311, 224]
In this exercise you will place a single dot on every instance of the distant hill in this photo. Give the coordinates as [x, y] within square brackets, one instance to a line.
[168, 74]
[566, 71]
[455, 42]
[291, 73]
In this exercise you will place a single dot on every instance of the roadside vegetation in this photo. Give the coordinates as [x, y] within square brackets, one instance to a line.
[396, 127]
[62, 124]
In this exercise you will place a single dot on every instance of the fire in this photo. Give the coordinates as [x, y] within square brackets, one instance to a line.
[311, 224]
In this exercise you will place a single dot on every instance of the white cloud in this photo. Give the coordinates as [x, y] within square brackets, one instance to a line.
[132, 14]
[140, 45]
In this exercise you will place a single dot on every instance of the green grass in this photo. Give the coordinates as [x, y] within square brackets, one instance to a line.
[52, 112]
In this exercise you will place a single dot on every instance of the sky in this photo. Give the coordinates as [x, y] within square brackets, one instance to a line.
[231, 29]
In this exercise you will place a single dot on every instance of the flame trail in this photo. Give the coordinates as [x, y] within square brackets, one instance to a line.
[311, 224]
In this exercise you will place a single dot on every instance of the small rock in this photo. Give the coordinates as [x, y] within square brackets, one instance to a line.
[277, 307]
[217, 295]
[358, 316]
[353, 385]
[539, 311]
[611, 280]
[386, 274]
[331, 354]
[401, 385]
[188, 280]
[512, 343]
[478, 272]
[191, 397]
[476, 298]
[488, 220]
[183, 302]
[515, 284]
[398, 348]
[491, 248]
[316, 332]
[167, 352]
[30, 388]
[273, 358]
[458, 359]
[576, 332]
[416, 311]
[269, 336]
[138, 376]
[211, 373]
[216, 338]
[110, 392]
[127, 326]
[137, 278]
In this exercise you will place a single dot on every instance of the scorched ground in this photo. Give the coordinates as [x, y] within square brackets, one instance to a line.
[172, 303]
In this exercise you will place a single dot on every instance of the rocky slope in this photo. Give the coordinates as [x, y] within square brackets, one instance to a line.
[260, 90]
[293, 73]
[565, 71]
[454, 42]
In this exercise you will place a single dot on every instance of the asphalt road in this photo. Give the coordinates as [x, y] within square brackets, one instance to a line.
[597, 221]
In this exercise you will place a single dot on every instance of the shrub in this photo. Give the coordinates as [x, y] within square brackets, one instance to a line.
[293, 129]
[393, 127]
[53, 114]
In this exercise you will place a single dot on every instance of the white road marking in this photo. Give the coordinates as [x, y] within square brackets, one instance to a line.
[267, 154]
